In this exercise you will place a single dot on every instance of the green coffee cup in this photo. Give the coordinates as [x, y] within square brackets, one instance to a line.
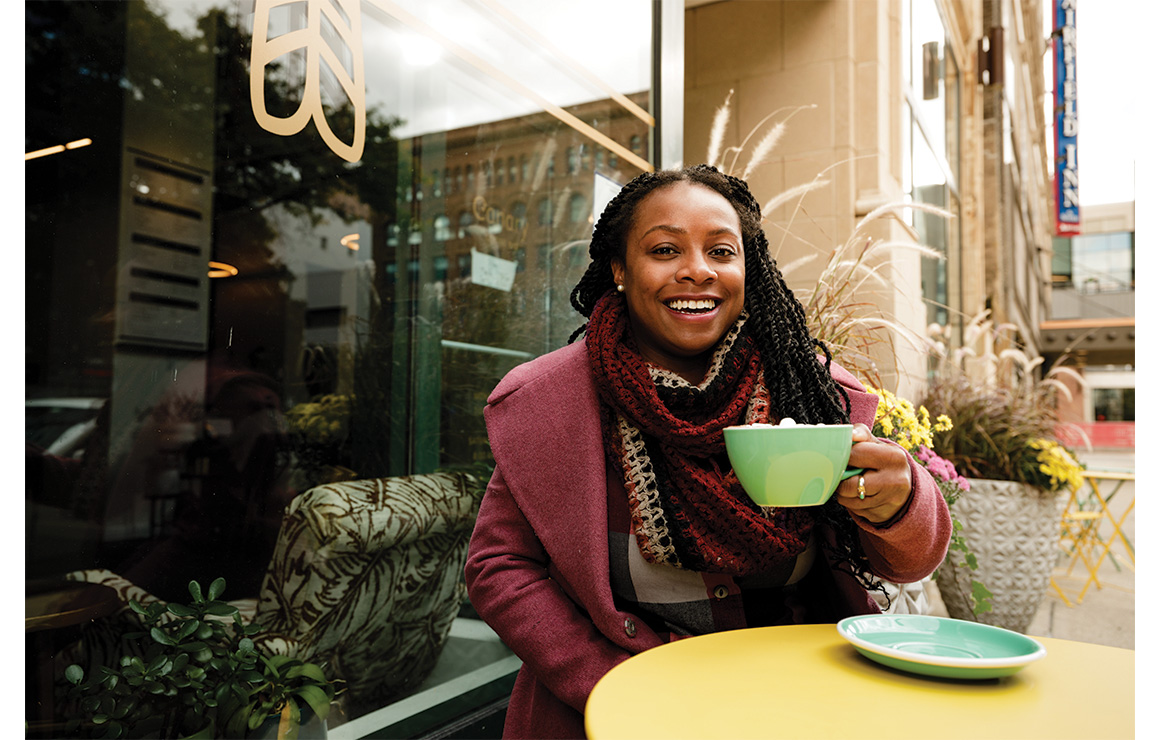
[792, 465]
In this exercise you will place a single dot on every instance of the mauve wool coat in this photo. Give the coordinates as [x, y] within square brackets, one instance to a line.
[538, 564]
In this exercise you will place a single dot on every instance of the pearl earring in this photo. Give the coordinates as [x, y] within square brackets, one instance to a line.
[619, 288]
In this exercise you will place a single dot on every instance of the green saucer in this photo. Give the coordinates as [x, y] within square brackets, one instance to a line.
[937, 646]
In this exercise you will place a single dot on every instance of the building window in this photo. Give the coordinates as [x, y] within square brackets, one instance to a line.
[932, 155]
[442, 228]
[1114, 404]
[465, 220]
[577, 205]
[1095, 263]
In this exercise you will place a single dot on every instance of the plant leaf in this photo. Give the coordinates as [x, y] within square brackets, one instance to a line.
[216, 588]
[220, 609]
[74, 673]
[180, 610]
[307, 670]
[290, 721]
[981, 596]
[254, 720]
[195, 592]
[317, 699]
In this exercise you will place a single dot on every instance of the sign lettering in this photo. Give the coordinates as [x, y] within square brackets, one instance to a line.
[1067, 217]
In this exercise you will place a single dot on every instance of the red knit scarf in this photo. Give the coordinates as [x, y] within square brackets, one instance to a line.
[688, 510]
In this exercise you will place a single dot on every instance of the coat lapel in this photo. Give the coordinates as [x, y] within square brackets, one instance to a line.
[546, 438]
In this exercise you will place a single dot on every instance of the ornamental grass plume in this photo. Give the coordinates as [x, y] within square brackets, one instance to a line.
[1004, 416]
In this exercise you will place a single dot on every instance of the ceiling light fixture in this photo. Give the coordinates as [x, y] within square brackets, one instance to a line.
[57, 149]
[221, 269]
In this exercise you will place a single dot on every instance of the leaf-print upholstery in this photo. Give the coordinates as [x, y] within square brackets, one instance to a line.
[366, 579]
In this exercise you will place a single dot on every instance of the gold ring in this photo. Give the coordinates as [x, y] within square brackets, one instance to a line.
[861, 487]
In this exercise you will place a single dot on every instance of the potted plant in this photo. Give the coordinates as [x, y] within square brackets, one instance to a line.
[320, 432]
[195, 671]
[1003, 439]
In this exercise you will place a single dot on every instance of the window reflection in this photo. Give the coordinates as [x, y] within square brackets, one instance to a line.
[931, 153]
[375, 304]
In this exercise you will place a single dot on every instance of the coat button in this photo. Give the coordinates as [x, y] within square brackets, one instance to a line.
[630, 628]
[721, 591]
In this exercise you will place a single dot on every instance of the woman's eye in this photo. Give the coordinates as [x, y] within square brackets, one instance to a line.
[664, 249]
[723, 251]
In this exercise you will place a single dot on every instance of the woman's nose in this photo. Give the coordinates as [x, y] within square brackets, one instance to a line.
[696, 269]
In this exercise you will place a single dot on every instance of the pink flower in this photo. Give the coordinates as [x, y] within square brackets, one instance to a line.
[940, 468]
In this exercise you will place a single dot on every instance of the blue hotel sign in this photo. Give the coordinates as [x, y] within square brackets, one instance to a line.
[1066, 121]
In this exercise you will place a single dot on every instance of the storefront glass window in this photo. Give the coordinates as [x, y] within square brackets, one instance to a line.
[254, 282]
[932, 168]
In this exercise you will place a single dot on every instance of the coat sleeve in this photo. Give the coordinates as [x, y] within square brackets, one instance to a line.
[511, 585]
[912, 546]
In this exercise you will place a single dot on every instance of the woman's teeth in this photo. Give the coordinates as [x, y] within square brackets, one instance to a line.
[696, 306]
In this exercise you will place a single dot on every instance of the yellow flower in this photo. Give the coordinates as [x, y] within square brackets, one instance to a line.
[897, 419]
[1057, 464]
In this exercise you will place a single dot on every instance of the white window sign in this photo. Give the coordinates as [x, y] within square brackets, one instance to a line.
[493, 272]
[604, 189]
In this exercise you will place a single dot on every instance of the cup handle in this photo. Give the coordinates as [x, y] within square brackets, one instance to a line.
[851, 472]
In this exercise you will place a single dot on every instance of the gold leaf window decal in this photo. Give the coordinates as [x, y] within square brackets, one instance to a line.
[330, 25]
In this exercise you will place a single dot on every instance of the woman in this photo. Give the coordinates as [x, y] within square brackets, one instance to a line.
[613, 522]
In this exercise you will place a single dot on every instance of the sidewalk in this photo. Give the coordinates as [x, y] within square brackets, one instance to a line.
[1107, 615]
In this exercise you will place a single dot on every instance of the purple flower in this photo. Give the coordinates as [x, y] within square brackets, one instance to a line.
[941, 468]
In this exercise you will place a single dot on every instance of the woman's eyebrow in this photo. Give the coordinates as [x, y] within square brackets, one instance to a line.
[670, 229]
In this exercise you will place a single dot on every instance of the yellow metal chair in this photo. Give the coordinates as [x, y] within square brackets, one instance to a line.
[1084, 534]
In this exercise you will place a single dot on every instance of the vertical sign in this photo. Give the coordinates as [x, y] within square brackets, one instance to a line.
[1067, 220]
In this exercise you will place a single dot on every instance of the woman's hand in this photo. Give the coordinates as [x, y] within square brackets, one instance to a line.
[886, 478]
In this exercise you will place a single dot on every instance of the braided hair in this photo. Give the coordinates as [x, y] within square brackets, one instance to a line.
[800, 387]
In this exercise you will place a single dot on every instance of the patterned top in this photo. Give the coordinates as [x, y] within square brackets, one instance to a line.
[676, 602]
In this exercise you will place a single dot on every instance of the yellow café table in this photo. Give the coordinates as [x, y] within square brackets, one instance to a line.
[807, 681]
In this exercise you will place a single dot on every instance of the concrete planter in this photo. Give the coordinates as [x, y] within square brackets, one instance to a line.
[1013, 529]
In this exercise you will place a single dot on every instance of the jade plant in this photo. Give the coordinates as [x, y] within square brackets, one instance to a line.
[199, 672]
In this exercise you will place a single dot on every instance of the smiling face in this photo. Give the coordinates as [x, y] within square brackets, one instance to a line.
[683, 274]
